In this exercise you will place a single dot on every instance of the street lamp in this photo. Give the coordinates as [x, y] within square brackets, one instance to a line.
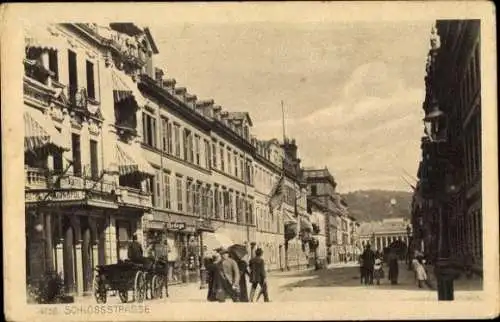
[203, 279]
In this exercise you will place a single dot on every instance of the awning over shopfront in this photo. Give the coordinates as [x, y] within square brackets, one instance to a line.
[39, 37]
[216, 240]
[124, 87]
[130, 160]
[39, 131]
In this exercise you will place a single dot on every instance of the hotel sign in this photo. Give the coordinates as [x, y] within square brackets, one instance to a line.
[63, 195]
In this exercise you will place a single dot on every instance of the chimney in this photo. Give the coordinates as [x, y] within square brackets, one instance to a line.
[180, 91]
[190, 99]
[169, 83]
[205, 107]
[159, 75]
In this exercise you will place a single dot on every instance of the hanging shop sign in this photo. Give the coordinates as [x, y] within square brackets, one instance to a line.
[63, 195]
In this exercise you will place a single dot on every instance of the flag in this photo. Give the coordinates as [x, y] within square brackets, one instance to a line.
[276, 197]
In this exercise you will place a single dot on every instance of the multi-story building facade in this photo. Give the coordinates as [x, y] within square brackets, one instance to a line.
[381, 234]
[113, 149]
[449, 189]
[321, 188]
[84, 172]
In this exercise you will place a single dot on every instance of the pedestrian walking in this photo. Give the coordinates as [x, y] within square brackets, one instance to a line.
[378, 271]
[215, 288]
[368, 263]
[258, 276]
[362, 274]
[243, 268]
[393, 266]
[421, 273]
[230, 276]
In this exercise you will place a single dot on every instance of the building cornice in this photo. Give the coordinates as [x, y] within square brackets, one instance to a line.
[149, 86]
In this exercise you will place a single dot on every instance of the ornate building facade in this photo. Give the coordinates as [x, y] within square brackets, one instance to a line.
[83, 174]
[447, 202]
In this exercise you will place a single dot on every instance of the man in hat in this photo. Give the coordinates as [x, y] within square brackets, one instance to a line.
[134, 252]
[231, 274]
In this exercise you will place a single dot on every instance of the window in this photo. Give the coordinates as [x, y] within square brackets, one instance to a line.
[169, 138]
[188, 145]
[149, 129]
[222, 157]
[179, 193]
[58, 158]
[90, 80]
[236, 165]
[73, 74]
[197, 149]
[177, 140]
[231, 206]
[207, 154]
[226, 204]
[214, 156]
[164, 129]
[229, 158]
[196, 198]
[239, 217]
[242, 168]
[314, 190]
[94, 169]
[189, 202]
[157, 190]
[166, 182]
[77, 155]
[53, 64]
[210, 203]
[216, 203]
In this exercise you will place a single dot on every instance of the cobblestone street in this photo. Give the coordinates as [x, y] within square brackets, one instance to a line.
[337, 283]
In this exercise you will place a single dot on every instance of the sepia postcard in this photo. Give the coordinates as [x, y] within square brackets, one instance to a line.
[249, 161]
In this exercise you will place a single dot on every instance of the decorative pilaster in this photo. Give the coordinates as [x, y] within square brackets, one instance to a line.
[79, 267]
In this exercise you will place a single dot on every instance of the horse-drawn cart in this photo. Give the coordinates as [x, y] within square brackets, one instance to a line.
[145, 277]
[121, 277]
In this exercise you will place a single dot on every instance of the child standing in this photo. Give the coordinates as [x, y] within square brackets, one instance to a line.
[378, 272]
[421, 273]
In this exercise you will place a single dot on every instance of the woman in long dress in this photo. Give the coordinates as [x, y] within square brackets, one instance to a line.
[243, 267]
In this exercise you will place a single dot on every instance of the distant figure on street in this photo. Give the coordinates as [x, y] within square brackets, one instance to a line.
[258, 276]
[368, 263]
[378, 271]
[134, 252]
[392, 259]
[362, 273]
[421, 273]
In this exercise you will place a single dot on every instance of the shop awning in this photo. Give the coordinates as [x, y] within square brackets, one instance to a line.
[124, 87]
[39, 131]
[39, 36]
[216, 240]
[130, 160]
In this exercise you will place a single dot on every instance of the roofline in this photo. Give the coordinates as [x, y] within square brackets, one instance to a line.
[151, 40]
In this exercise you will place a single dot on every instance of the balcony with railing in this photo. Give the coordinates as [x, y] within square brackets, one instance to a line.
[129, 196]
[35, 178]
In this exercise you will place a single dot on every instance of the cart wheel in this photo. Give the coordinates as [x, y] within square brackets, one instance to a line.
[99, 290]
[123, 294]
[139, 287]
[157, 287]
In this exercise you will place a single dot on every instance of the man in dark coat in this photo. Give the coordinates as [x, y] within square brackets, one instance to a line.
[134, 252]
[368, 263]
[258, 275]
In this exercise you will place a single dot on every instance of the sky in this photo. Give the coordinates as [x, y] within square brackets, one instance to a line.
[352, 91]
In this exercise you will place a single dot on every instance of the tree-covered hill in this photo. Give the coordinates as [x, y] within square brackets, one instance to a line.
[367, 205]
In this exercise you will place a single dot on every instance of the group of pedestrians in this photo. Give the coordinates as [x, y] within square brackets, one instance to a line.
[371, 266]
[227, 277]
